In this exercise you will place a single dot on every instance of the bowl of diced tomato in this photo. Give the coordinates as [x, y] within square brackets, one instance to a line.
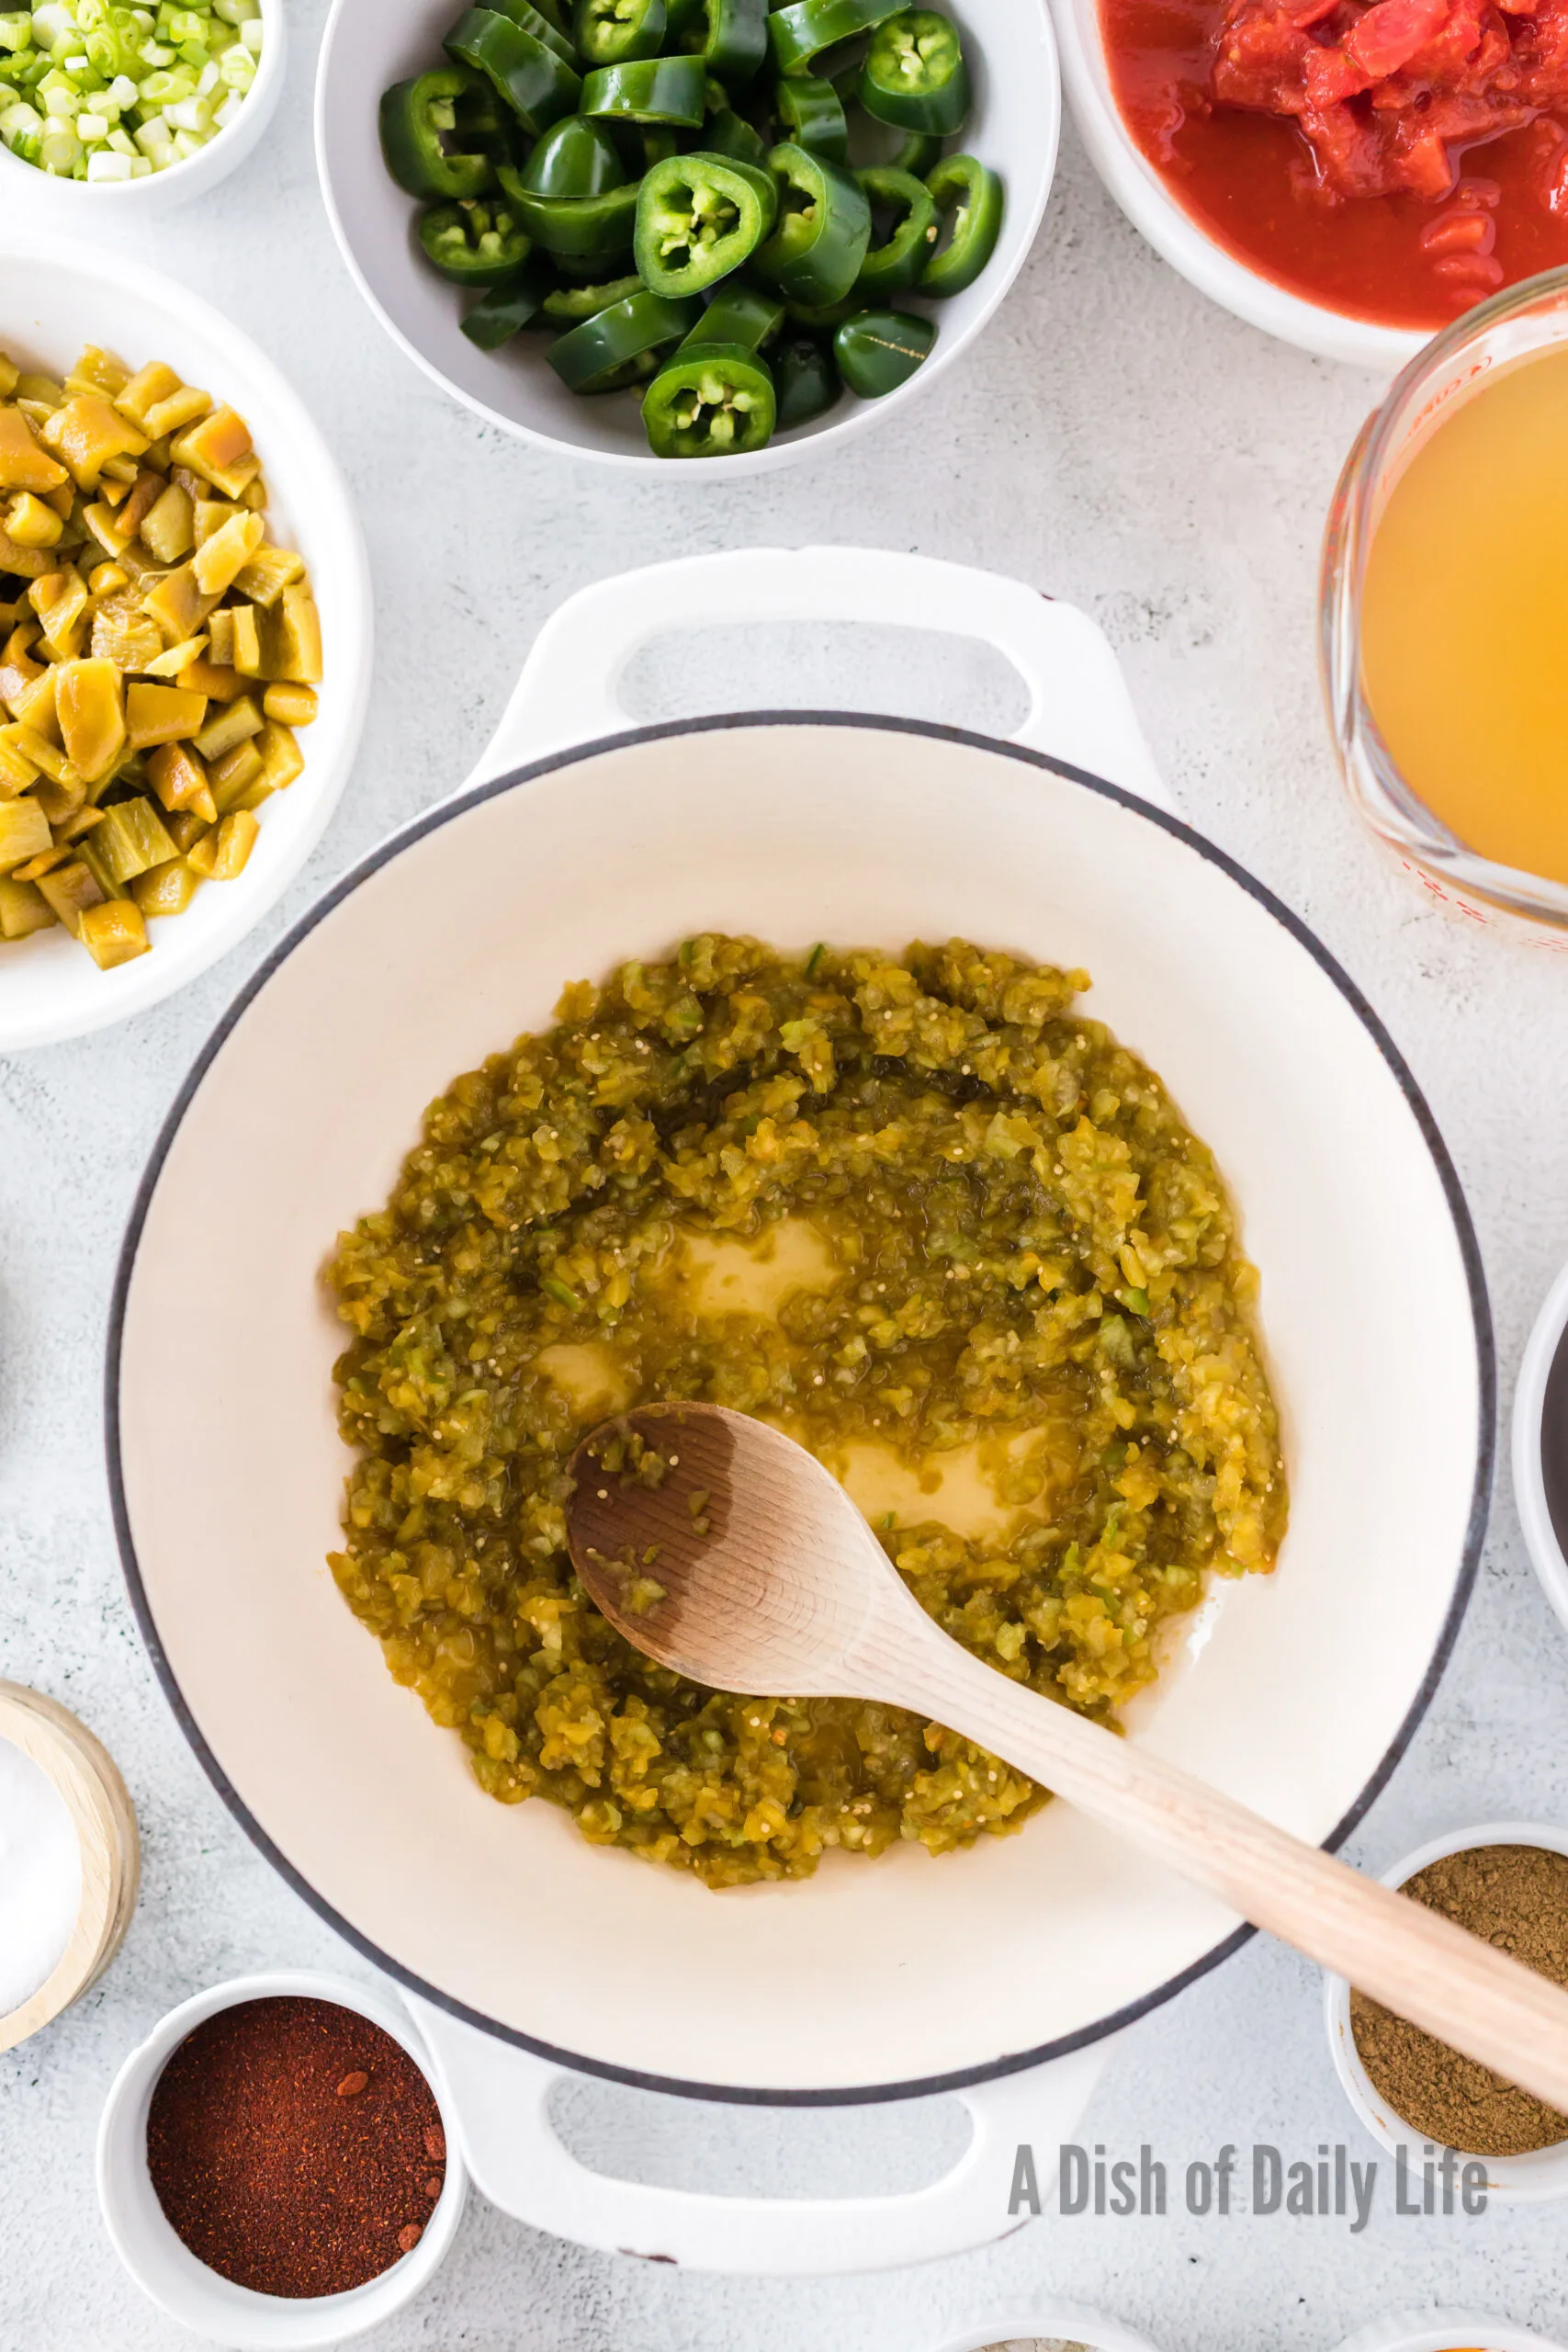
[1348, 175]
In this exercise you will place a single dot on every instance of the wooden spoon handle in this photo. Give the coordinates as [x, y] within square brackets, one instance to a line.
[1410, 1959]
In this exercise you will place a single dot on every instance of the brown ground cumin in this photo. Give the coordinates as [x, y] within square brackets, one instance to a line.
[1517, 1898]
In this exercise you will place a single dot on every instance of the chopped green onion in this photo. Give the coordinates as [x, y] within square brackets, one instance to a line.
[120, 92]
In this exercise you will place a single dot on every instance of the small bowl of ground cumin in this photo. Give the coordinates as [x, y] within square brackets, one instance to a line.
[275, 2168]
[1506, 1882]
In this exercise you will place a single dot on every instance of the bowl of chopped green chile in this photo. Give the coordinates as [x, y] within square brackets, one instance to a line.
[185, 637]
[639, 230]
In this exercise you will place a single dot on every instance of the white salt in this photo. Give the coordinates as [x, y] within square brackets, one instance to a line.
[40, 1877]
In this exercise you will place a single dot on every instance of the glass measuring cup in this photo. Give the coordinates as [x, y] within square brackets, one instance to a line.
[1515, 324]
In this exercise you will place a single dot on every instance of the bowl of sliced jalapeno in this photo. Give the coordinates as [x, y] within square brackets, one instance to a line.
[638, 231]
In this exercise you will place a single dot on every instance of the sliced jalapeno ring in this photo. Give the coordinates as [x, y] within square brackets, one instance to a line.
[554, 13]
[593, 228]
[743, 315]
[543, 28]
[820, 317]
[806, 382]
[699, 217]
[731, 37]
[882, 349]
[616, 32]
[804, 29]
[969, 203]
[918, 153]
[575, 157]
[417, 118]
[713, 399]
[471, 241]
[569, 305]
[811, 115]
[511, 304]
[727, 133]
[650, 89]
[535, 82]
[824, 227]
[908, 208]
[617, 338]
[914, 76]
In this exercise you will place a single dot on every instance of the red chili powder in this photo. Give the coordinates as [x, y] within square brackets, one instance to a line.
[295, 2147]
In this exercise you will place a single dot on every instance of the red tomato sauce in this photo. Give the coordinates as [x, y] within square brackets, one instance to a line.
[1399, 160]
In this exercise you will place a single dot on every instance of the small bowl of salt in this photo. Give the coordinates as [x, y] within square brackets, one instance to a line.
[69, 1861]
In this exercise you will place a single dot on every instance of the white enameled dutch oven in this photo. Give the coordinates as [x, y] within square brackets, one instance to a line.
[1000, 1972]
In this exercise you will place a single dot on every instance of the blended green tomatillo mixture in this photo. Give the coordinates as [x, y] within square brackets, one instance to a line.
[1027, 1260]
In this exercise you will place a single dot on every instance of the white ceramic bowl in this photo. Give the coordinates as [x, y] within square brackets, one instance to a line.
[1447, 2331]
[1534, 2179]
[54, 298]
[367, 46]
[447, 942]
[82, 206]
[1050, 2322]
[1536, 1396]
[1204, 261]
[161, 2263]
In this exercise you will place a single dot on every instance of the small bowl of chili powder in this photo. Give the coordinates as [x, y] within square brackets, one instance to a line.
[273, 2165]
[1506, 1882]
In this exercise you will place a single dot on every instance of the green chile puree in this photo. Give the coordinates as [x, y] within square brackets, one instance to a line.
[1004, 1300]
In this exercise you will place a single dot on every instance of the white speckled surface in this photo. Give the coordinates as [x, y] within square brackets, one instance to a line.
[1118, 442]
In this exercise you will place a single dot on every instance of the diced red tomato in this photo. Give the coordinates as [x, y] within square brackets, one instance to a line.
[1387, 35]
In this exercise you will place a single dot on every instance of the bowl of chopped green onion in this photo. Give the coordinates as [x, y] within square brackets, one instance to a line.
[142, 106]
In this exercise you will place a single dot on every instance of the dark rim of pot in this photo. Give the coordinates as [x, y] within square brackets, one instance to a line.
[444, 813]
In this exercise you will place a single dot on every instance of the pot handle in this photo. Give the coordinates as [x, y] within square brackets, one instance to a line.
[1079, 709]
[500, 2094]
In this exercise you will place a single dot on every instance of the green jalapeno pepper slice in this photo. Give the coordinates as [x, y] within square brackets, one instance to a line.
[535, 82]
[969, 203]
[811, 115]
[417, 118]
[806, 382]
[824, 227]
[918, 153]
[914, 76]
[727, 133]
[619, 338]
[742, 315]
[882, 349]
[614, 32]
[896, 262]
[575, 157]
[511, 304]
[699, 217]
[543, 28]
[713, 399]
[569, 305]
[820, 317]
[650, 89]
[731, 37]
[471, 241]
[804, 29]
[589, 229]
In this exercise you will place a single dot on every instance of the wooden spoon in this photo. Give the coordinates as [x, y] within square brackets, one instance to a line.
[747, 1567]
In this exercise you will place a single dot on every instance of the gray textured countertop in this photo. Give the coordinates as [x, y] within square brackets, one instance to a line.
[1118, 442]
